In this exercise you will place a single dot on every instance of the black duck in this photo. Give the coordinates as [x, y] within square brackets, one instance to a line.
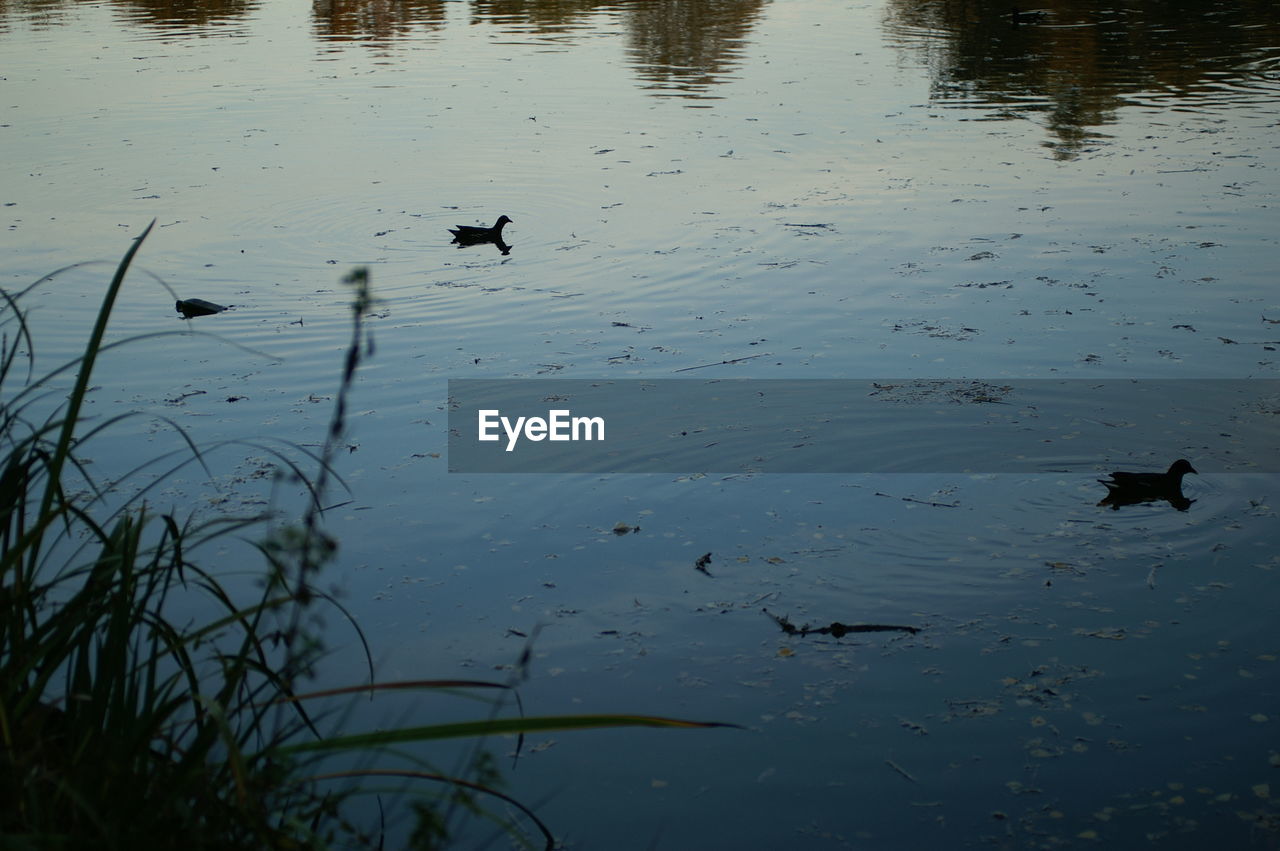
[190, 307]
[1029, 16]
[473, 234]
[1132, 488]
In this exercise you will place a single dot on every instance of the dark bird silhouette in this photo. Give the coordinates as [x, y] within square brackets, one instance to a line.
[470, 234]
[1030, 16]
[190, 307]
[1134, 488]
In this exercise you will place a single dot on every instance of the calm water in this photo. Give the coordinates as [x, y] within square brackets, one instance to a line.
[886, 191]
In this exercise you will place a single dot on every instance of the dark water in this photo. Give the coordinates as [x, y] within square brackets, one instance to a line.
[885, 192]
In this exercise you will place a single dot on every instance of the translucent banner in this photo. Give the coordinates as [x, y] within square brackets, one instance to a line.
[861, 426]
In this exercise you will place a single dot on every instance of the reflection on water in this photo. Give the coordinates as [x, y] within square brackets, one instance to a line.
[194, 15]
[1079, 62]
[1075, 62]
[339, 21]
[677, 48]
[685, 48]
[36, 13]
[820, 217]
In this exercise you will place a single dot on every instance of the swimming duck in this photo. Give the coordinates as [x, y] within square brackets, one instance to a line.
[1030, 16]
[473, 234]
[190, 307]
[1133, 488]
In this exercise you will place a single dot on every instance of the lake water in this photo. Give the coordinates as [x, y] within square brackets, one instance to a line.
[889, 191]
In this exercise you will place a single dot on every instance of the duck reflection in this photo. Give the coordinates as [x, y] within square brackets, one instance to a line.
[465, 242]
[1136, 488]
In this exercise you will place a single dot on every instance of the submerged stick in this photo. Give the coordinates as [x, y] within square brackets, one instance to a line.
[836, 629]
[900, 770]
[719, 363]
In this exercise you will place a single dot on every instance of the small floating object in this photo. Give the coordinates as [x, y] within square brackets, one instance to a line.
[472, 235]
[1133, 488]
[702, 562]
[190, 307]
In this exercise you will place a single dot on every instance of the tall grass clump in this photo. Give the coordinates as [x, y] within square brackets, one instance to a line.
[124, 725]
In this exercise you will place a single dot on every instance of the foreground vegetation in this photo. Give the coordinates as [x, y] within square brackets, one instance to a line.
[123, 725]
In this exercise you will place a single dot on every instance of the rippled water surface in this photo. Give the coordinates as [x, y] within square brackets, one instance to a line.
[888, 191]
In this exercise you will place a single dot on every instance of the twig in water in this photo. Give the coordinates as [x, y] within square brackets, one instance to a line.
[934, 504]
[900, 770]
[922, 501]
[836, 629]
[719, 363]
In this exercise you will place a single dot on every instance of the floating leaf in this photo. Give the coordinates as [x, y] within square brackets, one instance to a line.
[972, 708]
[1110, 633]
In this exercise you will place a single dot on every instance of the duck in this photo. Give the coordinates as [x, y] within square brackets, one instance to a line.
[190, 307]
[1030, 16]
[473, 234]
[1125, 488]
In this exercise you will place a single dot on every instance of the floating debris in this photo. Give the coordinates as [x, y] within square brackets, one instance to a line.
[1116, 633]
[934, 391]
[719, 363]
[836, 629]
[900, 770]
[702, 562]
[180, 398]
